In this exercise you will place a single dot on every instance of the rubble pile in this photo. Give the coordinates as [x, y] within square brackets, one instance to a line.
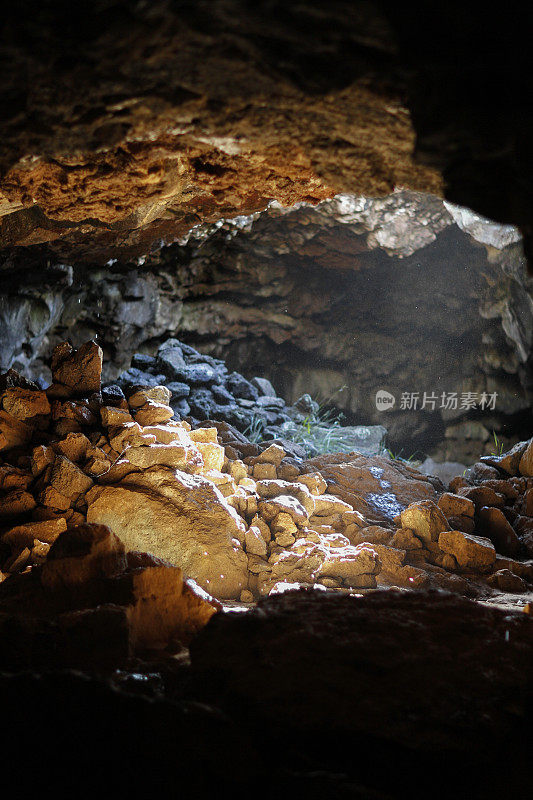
[242, 520]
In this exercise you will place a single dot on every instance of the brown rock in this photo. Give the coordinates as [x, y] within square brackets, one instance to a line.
[78, 371]
[112, 416]
[405, 539]
[179, 517]
[68, 479]
[350, 562]
[212, 454]
[465, 524]
[45, 531]
[493, 524]
[483, 496]
[290, 506]
[470, 552]
[255, 542]
[156, 394]
[53, 499]
[506, 581]
[425, 519]
[173, 455]
[23, 404]
[275, 488]
[508, 462]
[81, 555]
[274, 454]
[373, 485]
[13, 432]
[74, 447]
[16, 502]
[152, 413]
[314, 482]
[262, 472]
[525, 466]
[503, 487]
[455, 505]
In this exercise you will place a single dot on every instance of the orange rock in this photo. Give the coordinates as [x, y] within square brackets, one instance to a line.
[23, 404]
[78, 371]
[16, 502]
[45, 531]
[13, 432]
[425, 519]
[471, 552]
[455, 505]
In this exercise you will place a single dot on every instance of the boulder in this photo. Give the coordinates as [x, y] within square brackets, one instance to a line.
[179, 517]
[76, 372]
[470, 552]
[425, 519]
[374, 485]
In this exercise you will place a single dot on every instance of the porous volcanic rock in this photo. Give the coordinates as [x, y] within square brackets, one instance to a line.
[425, 681]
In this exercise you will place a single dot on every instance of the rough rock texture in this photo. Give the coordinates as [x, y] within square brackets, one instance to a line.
[145, 119]
[426, 683]
[156, 117]
[322, 298]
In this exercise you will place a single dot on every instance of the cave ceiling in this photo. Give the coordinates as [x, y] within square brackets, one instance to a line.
[126, 125]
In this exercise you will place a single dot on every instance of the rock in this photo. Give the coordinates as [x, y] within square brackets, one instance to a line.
[314, 482]
[373, 485]
[78, 371]
[525, 466]
[240, 387]
[471, 552]
[68, 479]
[81, 555]
[506, 581]
[13, 432]
[283, 504]
[16, 502]
[152, 413]
[507, 462]
[45, 531]
[23, 404]
[264, 387]
[405, 539]
[112, 416]
[455, 505]
[254, 542]
[482, 496]
[350, 562]
[181, 518]
[173, 455]
[74, 447]
[493, 524]
[425, 519]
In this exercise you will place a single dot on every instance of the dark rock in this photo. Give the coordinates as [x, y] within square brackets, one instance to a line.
[112, 395]
[181, 408]
[171, 362]
[178, 389]
[143, 362]
[418, 681]
[135, 377]
[264, 387]
[222, 395]
[240, 387]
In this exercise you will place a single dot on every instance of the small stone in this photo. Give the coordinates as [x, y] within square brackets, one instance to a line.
[68, 479]
[16, 502]
[271, 455]
[13, 432]
[264, 472]
[405, 539]
[285, 538]
[114, 416]
[483, 496]
[152, 413]
[53, 499]
[155, 394]
[254, 542]
[79, 371]
[506, 581]
[212, 454]
[23, 404]
[493, 523]
[425, 519]
[470, 552]
[45, 531]
[246, 596]
[455, 505]
[74, 447]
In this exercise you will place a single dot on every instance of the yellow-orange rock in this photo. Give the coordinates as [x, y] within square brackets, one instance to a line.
[179, 517]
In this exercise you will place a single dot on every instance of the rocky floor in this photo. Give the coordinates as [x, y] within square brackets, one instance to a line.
[237, 588]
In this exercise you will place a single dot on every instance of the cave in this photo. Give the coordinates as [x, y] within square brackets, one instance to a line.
[266, 378]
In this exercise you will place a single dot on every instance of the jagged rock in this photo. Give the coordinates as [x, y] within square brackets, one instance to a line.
[76, 372]
[471, 552]
[181, 518]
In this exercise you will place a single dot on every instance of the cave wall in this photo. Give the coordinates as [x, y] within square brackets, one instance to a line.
[404, 293]
[124, 123]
